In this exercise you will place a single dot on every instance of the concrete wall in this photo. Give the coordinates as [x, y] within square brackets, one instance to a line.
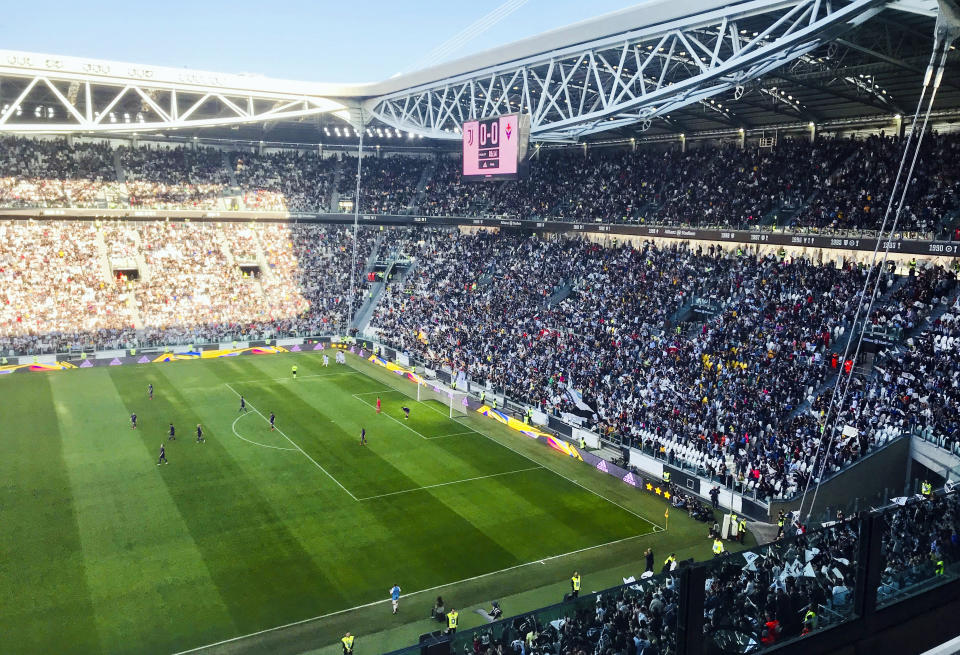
[884, 470]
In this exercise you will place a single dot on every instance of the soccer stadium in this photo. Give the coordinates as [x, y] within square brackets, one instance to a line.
[637, 336]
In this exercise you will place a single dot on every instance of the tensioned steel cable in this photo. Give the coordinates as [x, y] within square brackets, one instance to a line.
[842, 380]
[356, 220]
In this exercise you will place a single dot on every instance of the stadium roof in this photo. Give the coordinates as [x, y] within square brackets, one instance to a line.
[655, 70]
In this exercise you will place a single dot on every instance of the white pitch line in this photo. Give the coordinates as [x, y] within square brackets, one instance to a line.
[412, 593]
[657, 528]
[292, 443]
[444, 484]
[377, 393]
[455, 434]
[396, 420]
[255, 443]
[291, 379]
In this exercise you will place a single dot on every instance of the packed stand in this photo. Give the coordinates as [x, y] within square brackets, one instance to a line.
[857, 194]
[637, 618]
[64, 285]
[54, 173]
[293, 180]
[787, 589]
[388, 184]
[733, 395]
[174, 178]
[920, 543]
[54, 292]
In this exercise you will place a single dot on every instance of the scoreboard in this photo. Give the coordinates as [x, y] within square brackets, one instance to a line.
[494, 148]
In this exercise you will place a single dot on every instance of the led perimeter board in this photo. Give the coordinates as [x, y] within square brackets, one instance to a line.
[495, 148]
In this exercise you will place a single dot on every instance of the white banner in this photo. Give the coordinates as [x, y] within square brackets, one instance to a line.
[227, 345]
[539, 418]
[592, 439]
[403, 359]
[646, 464]
[110, 354]
[290, 341]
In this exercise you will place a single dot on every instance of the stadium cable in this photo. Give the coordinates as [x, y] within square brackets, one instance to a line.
[356, 221]
[834, 403]
[467, 34]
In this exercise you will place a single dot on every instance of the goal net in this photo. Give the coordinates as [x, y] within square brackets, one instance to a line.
[455, 401]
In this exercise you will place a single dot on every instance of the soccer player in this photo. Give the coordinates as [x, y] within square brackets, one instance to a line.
[133, 421]
[406, 412]
[272, 419]
[150, 390]
[172, 432]
[395, 597]
[363, 436]
[243, 405]
[294, 370]
[378, 404]
[200, 438]
[326, 361]
[163, 456]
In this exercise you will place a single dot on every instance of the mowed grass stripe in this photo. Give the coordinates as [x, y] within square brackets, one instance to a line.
[328, 424]
[278, 541]
[137, 549]
[42, 568]
[362, 545]
[260, 569]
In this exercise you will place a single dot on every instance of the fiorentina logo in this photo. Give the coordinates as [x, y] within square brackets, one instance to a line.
[508, 130]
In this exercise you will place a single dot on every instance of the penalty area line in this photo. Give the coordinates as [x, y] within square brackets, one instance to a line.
[413, 593]
[395, 420]
[294, 444]
[446, 484]
[656, 528]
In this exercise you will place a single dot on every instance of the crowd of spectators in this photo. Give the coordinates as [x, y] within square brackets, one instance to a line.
[173, 178]
[54, 173]
[786, 589]
[67, 285]
[285, 179]
[636, 619]
[857, 193]
[920, 539]
[753, 600]
[825, 185]
[389, 184]
[735, 392]
[53, 291]
[829, 184]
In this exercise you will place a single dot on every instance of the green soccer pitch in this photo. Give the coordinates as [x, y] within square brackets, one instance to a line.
[280, 541]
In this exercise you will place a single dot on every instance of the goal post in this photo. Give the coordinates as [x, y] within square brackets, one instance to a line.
[455, 401]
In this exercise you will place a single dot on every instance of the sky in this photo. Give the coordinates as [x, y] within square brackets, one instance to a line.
[320, 41]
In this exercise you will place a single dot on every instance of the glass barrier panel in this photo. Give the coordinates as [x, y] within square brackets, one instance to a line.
[644, 610]
[920, 549]
[782, 591]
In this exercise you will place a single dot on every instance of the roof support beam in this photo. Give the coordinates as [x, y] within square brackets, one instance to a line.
[637, 75]
[862, 100]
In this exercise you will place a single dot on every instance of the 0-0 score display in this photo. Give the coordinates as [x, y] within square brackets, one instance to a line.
[491, 148]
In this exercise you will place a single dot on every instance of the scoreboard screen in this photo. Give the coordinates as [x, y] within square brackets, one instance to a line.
[494, 148]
